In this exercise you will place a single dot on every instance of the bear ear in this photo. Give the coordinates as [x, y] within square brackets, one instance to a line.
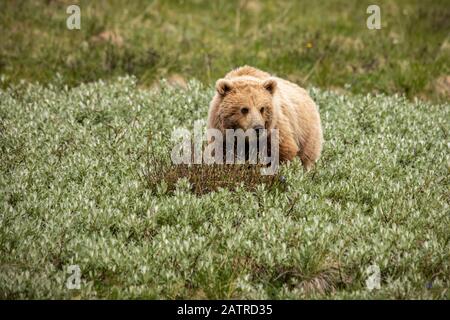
[270, 85]
[223, 86]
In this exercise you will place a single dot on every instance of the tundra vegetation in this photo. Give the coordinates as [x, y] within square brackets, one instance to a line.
[86, 180]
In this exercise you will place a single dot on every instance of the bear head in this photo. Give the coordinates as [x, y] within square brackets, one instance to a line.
[246, 103]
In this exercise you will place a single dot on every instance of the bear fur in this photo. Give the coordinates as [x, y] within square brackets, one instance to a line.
[250, 98]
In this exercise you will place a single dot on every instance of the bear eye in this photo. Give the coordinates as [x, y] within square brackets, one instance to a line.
[244, 110]
[261, 110]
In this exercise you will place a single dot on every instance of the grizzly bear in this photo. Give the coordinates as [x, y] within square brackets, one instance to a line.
[250, 98]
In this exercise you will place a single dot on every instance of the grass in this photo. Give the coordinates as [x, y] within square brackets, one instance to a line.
[324, 43]
[74, 190]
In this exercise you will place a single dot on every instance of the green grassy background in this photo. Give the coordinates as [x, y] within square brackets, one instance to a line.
[324, 43]
[72, 192]
[73, 151]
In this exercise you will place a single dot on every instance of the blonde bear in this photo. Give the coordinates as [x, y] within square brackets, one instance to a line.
[250, 98]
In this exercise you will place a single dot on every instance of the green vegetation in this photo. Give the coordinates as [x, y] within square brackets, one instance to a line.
[324, 43]
[73, 190]
[85, 178]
